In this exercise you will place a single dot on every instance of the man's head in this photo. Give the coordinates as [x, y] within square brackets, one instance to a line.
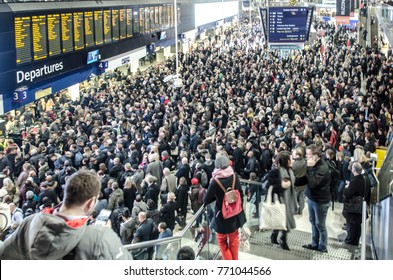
[186, 253]
[82, 190]
[313, 151]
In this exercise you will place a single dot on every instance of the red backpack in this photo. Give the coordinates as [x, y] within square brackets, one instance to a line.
[232, 202]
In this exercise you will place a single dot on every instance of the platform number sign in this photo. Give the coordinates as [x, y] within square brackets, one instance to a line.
[103, 65]
[20, 95]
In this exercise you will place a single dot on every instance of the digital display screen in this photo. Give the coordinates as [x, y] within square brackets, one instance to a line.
[39, 32]
[66, 32]
[287, 24]
[92, 56]
[54, 35]
[129, 22]
[107, 26]
[89, 29]
[79, 38]
[98, 27]
[23, 39]
[122, 23]
[115, 25]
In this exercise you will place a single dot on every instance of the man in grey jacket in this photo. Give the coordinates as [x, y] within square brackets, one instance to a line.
[65, 234]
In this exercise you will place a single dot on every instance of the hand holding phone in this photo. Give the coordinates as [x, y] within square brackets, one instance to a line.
[103, 217]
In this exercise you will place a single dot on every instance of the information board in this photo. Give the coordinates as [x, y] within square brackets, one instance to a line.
[115, 25]
[79, 40]
[122, 23]
[98, 28]
[54, 36]
[287, 24]
[39, 31]
[89, 29]
[66, 32]
[107, 26]
[23, 39]
[129, 23]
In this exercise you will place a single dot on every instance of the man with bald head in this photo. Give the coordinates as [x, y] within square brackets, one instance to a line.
[144, 233]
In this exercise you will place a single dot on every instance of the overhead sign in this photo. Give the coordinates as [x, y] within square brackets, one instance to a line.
[287, 24]
[103, 65]
[20, 94]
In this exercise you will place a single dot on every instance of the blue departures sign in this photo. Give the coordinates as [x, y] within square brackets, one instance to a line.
[287, 24]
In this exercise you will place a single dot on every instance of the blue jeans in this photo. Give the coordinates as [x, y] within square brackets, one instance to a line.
[317, 216]
[340, 190]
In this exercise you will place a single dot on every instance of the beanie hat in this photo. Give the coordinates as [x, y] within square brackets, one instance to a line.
[29, 194]
[221, 162]
[194, 181]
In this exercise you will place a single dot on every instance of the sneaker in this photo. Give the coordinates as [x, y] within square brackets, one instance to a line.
[310, 247]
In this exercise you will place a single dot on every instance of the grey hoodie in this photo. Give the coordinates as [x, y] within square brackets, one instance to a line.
[48, 237]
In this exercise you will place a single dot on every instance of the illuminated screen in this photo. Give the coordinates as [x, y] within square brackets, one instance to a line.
[287, 24]
[23, 39]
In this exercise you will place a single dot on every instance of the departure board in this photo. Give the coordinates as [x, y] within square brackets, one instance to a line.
[287, 24]
[115, 25]
[79, 40]
[66, 32]
[40, 50]
[89, 29]
[129, 22]
[54, 36]
[98, 28]
[107, 26]
[23, 39]
[122, 23]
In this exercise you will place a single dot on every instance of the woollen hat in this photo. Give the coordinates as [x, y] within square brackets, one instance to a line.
[221, 162]
[194, 181]
[29, 194]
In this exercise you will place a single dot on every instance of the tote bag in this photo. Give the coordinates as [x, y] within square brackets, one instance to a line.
[273, 214]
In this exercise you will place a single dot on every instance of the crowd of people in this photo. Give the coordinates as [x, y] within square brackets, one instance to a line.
[151, 143]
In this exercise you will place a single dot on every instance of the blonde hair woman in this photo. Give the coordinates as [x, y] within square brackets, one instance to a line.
[129, 192]
[9, 186]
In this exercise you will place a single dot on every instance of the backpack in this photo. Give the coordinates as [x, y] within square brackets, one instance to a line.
[257, 168]
[201, 194]
[370, 177]
[204, 180]
[5, 217]
[78, 159]
[231, 203]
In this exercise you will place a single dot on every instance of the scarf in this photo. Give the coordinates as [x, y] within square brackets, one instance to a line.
[222, 173]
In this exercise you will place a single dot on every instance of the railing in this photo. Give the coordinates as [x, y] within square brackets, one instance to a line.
[201, 238]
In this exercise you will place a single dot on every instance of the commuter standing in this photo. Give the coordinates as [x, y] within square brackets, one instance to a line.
[319, 196]
[226, 229]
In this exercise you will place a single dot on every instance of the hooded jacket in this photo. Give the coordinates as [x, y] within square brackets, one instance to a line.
[50, 237]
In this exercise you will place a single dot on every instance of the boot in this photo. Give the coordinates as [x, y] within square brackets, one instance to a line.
[283, 243]
[273, 237]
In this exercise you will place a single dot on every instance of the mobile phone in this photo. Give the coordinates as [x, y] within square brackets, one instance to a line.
[103, 217]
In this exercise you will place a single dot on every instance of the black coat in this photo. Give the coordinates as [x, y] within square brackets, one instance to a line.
[357, 187]
[152, 193]
[168, 214]
[182, 199]
[215, 193]
[318, 187]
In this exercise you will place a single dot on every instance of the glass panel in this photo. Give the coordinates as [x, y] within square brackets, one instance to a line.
[141, 20]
